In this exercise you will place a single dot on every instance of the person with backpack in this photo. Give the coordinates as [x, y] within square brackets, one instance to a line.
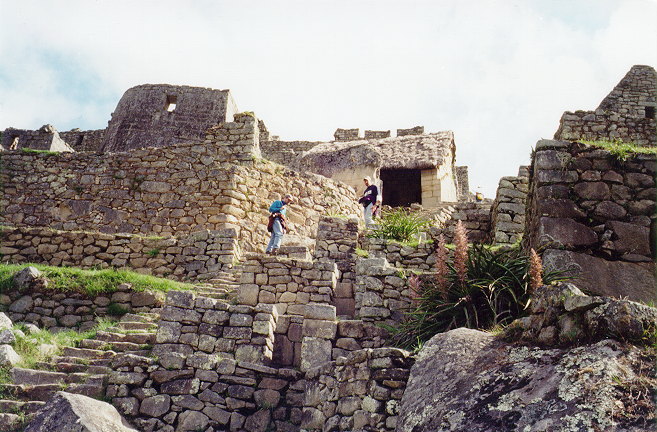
[277, 225]
[368, 200]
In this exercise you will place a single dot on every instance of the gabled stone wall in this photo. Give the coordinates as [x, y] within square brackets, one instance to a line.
[627, 113]
[595, 214]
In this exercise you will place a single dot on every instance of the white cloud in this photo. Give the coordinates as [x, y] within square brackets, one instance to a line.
[497, 73]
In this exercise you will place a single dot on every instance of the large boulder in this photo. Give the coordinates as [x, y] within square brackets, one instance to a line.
[5, 322]
[28, 277]
[562, 314]
[635, 281]
[8, 357]
[467, 380]
[77, 413]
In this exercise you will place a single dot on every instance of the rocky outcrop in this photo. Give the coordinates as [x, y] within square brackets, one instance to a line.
[467, 380]
[562, 314]
[69, 412]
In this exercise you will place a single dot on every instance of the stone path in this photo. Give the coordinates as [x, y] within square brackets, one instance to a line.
[82, 370]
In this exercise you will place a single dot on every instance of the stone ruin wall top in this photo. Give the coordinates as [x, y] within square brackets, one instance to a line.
[161, 115]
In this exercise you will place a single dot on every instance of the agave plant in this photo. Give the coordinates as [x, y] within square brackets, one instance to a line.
[496, 291]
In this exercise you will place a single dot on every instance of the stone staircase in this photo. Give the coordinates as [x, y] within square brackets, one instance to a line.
[223, 286]
[82, 370]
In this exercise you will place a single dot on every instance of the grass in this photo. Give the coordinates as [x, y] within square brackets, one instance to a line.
[620, 149]
[362, 253]
[27, 346]
[400, 225]
[44, 152]
[91, 282]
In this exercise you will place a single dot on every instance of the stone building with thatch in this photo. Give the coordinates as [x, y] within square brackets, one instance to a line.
[409, 169]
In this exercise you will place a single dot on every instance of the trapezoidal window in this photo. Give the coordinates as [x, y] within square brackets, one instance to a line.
[172, 101]
[401, 187]
[650, 112]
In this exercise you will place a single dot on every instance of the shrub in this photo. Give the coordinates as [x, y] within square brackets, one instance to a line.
[400, 225]
[496, 291]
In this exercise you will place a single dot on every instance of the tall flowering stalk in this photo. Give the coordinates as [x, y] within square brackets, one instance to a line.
[461, 252]
[414, 284]
[535, 271]
[442, 270]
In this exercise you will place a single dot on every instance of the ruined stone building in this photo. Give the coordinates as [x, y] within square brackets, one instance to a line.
[627, 113]
[413, 167]
[298, 340]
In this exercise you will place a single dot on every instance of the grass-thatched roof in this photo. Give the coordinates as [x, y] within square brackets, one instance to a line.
[406, 152]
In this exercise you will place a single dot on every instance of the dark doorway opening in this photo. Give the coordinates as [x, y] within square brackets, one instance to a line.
[401, 187]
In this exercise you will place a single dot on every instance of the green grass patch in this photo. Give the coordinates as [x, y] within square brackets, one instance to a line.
[27, 346]
[91, 282]
[362, 253]
[400, 225]
[44, 152]
[620, 149]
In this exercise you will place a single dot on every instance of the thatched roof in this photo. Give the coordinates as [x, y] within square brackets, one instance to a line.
[406, 152]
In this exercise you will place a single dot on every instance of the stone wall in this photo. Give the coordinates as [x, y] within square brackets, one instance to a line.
[508, 211]
[198, 256]
[382, 295]
[474, 215]
[55, 310]
[181, 189]
[359, 392]
[627, 113]
[596, 214]
[337, 240]
[370, 134]
[602, 125]
[463, 182]
[346, 134]
[417, 130]
[285, 152]
[211, 370]
[162, 115]
[420, 257]
[89, 140]
[46, 138]
[287, 283]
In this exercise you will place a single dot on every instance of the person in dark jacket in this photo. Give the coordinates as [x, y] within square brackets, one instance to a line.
[368, 200]
[277, 211]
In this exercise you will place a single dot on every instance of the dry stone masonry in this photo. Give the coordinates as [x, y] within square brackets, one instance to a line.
[627, 113]
[508, 211]
[197, 256]
[595, 213]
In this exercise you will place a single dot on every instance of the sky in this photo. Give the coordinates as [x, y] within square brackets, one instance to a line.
[498, 73]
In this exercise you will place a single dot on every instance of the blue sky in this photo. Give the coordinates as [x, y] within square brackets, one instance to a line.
[499, 73]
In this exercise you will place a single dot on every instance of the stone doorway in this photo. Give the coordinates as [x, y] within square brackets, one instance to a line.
[401, 187]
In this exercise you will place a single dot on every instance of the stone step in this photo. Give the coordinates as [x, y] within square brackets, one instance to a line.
[82, 361]
[141, 353]
[42, 392]
[87, 353]
[29, 377]
[137, 338]
[74, 367]
[133, 325]
[21, 376]
[142, 317]
[94, 344]
[14, 406]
